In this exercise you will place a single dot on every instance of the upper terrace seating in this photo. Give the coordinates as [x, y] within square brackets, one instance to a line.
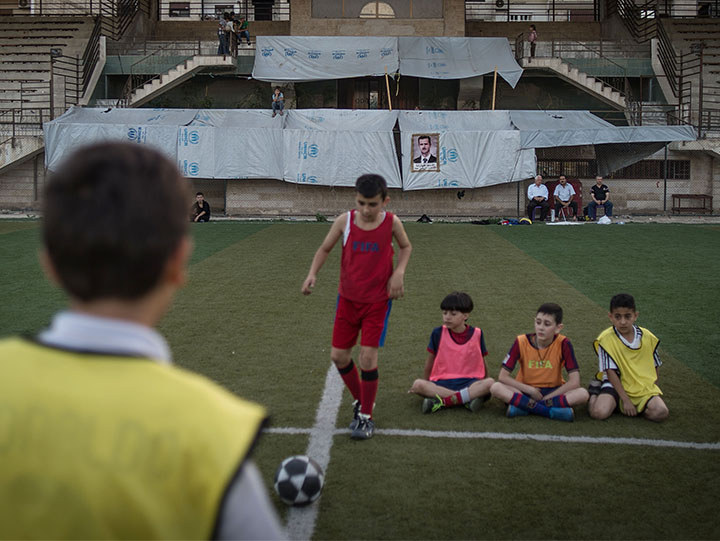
[25, 52]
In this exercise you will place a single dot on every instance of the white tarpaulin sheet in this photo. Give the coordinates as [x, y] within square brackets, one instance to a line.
[332, 147]
[312, 58]
[472, 149]
[457, 58]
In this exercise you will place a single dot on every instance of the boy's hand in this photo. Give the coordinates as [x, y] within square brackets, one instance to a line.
[395, 286]
[629, 408]
[308, 285]
[535, 394]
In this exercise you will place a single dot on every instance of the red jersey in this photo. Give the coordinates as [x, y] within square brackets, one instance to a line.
[367, 261]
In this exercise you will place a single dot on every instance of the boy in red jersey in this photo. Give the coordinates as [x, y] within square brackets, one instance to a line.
[455, 372]
[539, 387]
[368, 284]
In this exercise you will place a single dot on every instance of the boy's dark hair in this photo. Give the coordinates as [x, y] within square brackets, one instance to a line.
[113, 215]
[533, 27]
[459, 301]
[622, 300]
[552, 309]
[199, 193]
[371, 185]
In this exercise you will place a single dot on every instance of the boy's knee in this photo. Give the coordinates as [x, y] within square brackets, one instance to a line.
[656, 410]
[600, 409]
[418, 386]
[496, 389]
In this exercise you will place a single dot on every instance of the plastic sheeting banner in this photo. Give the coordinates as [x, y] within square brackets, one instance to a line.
[458, 58]
[312, 58]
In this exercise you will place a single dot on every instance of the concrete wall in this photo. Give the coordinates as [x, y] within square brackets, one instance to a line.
[452, 24]
[275, 198]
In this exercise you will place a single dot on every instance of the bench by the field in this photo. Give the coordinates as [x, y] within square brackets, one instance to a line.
[698, 203]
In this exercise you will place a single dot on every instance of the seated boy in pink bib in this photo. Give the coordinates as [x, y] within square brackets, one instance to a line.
[455, 372]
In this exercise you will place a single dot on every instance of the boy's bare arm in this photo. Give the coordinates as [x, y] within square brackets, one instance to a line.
[322, 253]
[573, 382]
[396, 284]
[429, 363]
[628, 407]
[506, 378]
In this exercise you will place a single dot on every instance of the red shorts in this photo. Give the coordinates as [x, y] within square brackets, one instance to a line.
[353, 317]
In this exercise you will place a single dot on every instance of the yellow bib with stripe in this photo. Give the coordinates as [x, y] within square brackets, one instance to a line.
[636, 366]
[101, 446]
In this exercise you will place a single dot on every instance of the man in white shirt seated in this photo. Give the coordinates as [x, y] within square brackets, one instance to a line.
[538, 195]
[565, 199]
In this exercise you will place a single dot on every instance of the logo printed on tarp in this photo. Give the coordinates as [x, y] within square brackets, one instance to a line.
[339, 54]
[305, 179]
[139, 134]
[189, 137]
[314, 55]
[290, 52]
[385, 51]
[444, 182]
[267, 51]
[307, 150]
[362, 53]
[434, 50]
[189, 169]
[448, 155]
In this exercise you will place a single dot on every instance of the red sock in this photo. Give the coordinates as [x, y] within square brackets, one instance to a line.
[350, 376]
[368, 390]
[452, 400]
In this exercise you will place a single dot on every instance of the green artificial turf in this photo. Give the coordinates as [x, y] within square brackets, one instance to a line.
[242, 321]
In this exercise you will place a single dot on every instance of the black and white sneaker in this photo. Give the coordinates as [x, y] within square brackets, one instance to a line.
[356, 413]
[365, 428]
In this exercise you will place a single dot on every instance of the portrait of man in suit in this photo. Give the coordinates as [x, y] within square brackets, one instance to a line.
[424, 158]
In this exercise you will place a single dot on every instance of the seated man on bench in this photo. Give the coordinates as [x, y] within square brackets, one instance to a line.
[538, 195]
[599, 193]
[565, 199]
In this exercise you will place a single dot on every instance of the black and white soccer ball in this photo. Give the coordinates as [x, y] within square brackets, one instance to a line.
[299, 480]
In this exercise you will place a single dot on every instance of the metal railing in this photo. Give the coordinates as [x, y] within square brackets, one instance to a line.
[139, 77]
[115, 15]
[195, 10]
[533, 11]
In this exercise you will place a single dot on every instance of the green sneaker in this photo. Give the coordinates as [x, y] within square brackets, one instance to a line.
[475, 404]
[431, 405]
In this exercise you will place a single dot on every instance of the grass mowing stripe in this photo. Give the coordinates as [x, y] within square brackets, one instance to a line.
[301, 521]
[667, 267]
[554, 438]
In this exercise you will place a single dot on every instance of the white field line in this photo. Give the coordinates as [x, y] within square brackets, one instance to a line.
[301, 520]
[710, 446]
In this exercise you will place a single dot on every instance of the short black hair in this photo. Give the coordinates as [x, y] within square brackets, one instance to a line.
[424, 137]
[199, 193]
[622, 300]
[459, 301]
[114, 213]
[371, 185]
[552, 309]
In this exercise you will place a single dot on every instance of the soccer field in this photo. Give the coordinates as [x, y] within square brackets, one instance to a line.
[242, 321]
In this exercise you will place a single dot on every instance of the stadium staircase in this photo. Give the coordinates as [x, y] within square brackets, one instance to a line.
[595, 87]
[135, 97]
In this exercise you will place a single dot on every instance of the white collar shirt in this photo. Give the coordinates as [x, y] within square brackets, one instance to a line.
[535, 191]
[564, 193]
[78, 331]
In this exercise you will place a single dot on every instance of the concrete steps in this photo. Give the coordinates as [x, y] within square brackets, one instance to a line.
[176, 76]
[577, 78]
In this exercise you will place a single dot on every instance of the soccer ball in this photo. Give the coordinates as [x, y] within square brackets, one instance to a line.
[299, 480]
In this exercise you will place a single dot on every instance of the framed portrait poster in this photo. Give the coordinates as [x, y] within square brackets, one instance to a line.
[425, 151]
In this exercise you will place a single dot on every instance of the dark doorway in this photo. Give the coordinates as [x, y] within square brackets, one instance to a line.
[371, 93]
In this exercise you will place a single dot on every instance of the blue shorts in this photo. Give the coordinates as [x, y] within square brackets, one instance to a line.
[456, 384]
[546, 390]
